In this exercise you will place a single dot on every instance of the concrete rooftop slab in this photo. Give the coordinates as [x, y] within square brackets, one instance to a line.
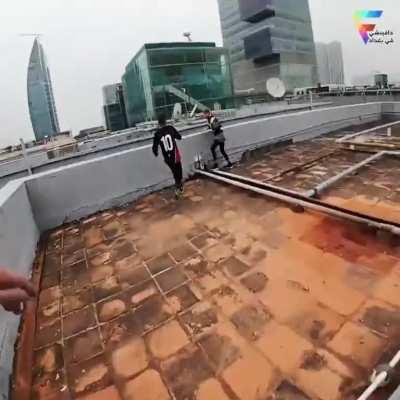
[224, 294]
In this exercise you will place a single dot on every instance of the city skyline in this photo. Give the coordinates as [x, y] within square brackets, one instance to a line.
[87, 49]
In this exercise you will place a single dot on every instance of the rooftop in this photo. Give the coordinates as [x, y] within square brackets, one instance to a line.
[185, 44]
[170, 46]
[225, 294]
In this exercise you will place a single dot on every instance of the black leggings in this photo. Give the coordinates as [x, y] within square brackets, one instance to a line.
[176, 169]
[221, 146]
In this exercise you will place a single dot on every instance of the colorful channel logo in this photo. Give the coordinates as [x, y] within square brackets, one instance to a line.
[363, 28]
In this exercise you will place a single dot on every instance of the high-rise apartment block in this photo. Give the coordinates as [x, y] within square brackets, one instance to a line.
[330, 63]
[114, 107]
[269, 38]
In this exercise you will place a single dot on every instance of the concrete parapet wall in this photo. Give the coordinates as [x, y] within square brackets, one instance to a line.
[118, 142]
[391, 108]
[74, 191]
[19, 235]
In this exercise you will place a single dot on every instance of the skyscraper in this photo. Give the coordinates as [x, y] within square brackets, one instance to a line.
[42, 107]
[330, 63]
[114, 107]
[269, 38]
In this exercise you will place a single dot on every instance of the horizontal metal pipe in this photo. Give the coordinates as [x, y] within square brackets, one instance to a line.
[322, 186]
[329, 182]
[265, 185]
[373, 386]
[302, 166]
[395, 360]
[379, 379]
[302, 197]
[309, 204]
[344, 138]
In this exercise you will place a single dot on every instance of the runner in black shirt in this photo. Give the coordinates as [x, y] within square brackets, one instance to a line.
[166, 136]
[219, 138]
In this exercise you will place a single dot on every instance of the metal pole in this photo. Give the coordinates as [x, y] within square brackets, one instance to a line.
[322, 186]
[266, 186]
[351, 136]
[25, 156]
[316, 207]
[378, 380]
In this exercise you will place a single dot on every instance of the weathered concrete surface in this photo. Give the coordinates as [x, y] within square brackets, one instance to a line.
[223, 295]
[18, 239]
[48, 199]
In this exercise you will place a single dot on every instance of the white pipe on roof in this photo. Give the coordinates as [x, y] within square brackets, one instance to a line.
[344, 138]
[329, 182]
[379, 379]
[230, 175]
[319, 208]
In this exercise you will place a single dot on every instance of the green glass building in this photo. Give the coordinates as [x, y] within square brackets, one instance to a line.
[163, 74]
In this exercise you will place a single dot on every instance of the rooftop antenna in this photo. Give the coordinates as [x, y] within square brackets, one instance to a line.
[36, 35]
[188, 36]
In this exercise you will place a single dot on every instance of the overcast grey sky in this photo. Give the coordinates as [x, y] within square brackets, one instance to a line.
[89, 42]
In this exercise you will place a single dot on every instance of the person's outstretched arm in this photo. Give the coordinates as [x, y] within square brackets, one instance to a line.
[177, 135]
[14, 290]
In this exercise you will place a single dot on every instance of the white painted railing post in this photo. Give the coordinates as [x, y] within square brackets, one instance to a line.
[26, 158]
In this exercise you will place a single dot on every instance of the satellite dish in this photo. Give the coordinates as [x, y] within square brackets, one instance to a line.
[276, 88]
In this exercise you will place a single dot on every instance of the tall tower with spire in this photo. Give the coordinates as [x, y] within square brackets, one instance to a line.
[41, 102]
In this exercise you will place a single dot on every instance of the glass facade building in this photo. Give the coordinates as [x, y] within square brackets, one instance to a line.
[42, 108]
[114, 107]
[164, 74]
[269, 38]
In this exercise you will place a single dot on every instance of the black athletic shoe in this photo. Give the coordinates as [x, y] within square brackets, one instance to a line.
[179, 193]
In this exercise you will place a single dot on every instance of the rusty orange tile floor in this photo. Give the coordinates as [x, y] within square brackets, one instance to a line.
[222, 295]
